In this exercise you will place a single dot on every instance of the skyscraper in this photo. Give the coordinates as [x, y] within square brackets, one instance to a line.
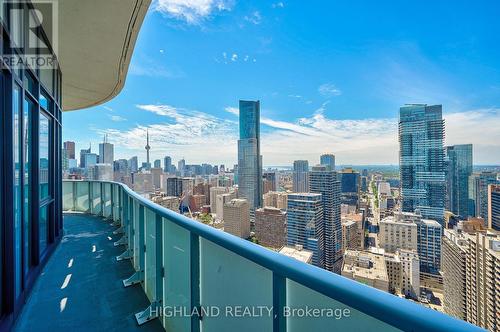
[328, 159]
[494, 206]
[300, 176]
[70, 148]
[350, 186]
[324, 181]
[249, 158]
[133, 164]
[421, 159]
[157, 163]
[269, 182]
[167, 164]
[458, 161]
[305, 224]
[478, 194]
[181, 166]
[106, 152]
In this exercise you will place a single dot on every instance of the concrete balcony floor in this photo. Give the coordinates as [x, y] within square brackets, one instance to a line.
[80, 288]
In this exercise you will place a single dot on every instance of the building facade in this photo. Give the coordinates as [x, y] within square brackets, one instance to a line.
[270, 227]
[237, 218]
[324, 181]
[249, 158]
[305, 224]
[421, 159]
[300, 176]
[494, 207]
[458, 161]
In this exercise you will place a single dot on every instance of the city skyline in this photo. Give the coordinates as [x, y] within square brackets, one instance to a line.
[343, 97]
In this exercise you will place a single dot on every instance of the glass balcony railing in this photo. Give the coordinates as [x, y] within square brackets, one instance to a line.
[200, 278]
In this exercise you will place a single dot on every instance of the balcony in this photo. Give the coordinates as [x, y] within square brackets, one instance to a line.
[183, 264]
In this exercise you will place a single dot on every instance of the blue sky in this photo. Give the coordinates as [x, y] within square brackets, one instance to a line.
[330, 75]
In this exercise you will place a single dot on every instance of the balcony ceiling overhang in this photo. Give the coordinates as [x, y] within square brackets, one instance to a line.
[96, 40]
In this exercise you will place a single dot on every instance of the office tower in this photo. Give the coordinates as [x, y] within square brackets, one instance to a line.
[397, 233]
[367, 268]
[478, 194]
[270, 227]
[181, 166]
[157, 163]
[300, 176]
[147, 147]
[174, 186]
[90, 160]
[429, 233]
[156, 172]
[421, 159]
[328, 160]
[106, 152]
[64, 159]
[350, 186]
[237, 218]
[324, 181]
[269, 182]
[214, 191]
[305, 225]
[221, 200]
[458, 162]
[249, 158]
[167, 164]
[364, 184]
[83, 152]
[70, 148]
[277, 199]
[133, 164]
[494, 207]
[471, 261]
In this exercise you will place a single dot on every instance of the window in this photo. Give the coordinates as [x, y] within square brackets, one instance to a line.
[16, 131]
[44, 160]
[27, 164]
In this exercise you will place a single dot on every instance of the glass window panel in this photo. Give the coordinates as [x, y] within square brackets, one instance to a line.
[229, 280]
[16, 109]
[177, 281]
[336, 315]
[150, 255]
[29, 83]
[16, 26]
[43, 230]
[45, 101]
[82, 196]
[44, 138]
[67, 196]
[28, 109]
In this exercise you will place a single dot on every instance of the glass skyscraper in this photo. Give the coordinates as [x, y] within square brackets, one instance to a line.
[421, 159]
[249, 159]
[328, 159]
[305, 224]
[324, 181]
[458, 162]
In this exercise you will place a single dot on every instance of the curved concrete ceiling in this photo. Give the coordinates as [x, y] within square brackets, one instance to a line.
[95, 44]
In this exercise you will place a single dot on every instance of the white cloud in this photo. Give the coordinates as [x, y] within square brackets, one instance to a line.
[201, 137]
[150, 70]
[279, 4]
[254, 18]
[234, 57]
[328, 90]
[192, 11]
[117, 118]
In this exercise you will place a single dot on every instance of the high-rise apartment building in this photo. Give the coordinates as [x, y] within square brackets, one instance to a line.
[133, 164]
[397, 233]
[269, 182]
[471, 266]
[214, 192]
[270, 227]
[327, 160]
[174, 186]
[305, 224]
[277, 199]
[458, 161]
[350, 235]
[478, 192]
[494, 207]
[249, 158]
[237, 218]
[69, 146]
[421, 159]
[324, 181]
[157, 163]
[300, 176]
[221, 200]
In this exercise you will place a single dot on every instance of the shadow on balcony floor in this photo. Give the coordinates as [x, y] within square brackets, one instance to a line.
[80, 288]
